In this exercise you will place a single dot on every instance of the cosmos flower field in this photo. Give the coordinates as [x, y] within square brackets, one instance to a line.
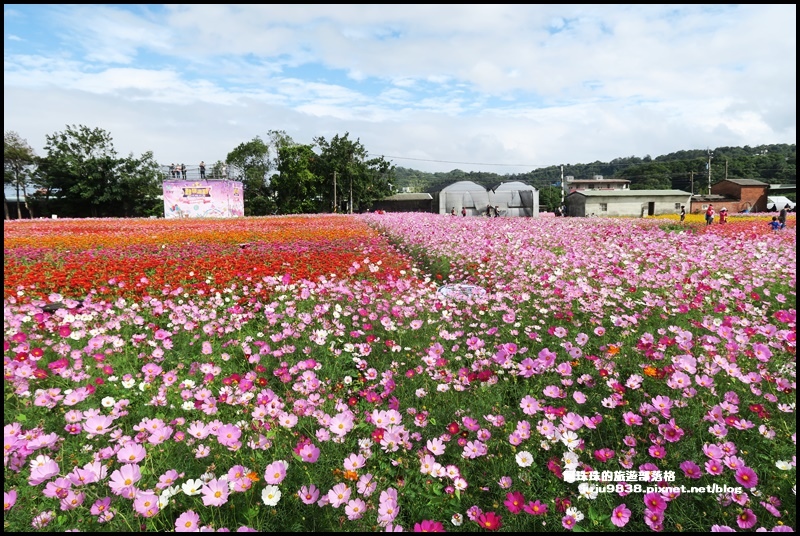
[399, 372]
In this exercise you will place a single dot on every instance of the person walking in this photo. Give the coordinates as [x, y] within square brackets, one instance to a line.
[683, 212]
[710, 214]
[723, 215]
[782, 216]
[202, 169]
[463, 211]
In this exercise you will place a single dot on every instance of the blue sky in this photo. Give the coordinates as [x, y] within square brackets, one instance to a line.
[433, 87]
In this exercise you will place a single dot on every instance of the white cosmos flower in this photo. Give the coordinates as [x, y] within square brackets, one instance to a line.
[271, 495]
[783, 465]
[524, 458]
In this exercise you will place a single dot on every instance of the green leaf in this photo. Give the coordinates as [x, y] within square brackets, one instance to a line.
[22, 418]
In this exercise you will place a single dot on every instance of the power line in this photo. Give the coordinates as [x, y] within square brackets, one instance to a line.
[465, 163]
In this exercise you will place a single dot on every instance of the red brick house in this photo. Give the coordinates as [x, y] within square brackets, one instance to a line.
[738, 195]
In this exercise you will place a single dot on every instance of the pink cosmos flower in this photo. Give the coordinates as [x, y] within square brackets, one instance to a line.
[146, 503]
[98, 425]
[308, 494]
[215, 492]
[714, 467]
[131, 453]
[309, 453]
[339, 494]
[568, 522]
[620, 515]
[355, 509]
[354, 462]
[275, 472]
[9, 499]
[124, 478]
[187, 522]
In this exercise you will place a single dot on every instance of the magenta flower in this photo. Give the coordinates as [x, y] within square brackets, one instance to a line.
[427, 525]
[691, 469]
[514, 502]
[746, 477]
[535, 508]
[620, 515]
[655, 502]
[187, 522]
[9, 499]
[215, 492]
[568, 522]
[490, 521]
[747, 519]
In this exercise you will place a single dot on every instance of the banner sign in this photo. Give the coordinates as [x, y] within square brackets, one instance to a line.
[203, 199]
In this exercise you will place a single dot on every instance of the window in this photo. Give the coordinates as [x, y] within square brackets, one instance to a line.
[677, 206]
[603, 207]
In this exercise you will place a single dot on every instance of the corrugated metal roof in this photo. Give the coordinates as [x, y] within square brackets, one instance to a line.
[408, 197]
[630, 193]
[746, 182]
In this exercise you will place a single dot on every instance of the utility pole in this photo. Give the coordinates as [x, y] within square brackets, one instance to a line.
[709, 172]
[726, 169]
[335, 206]
[691, 181]
[351, 193]
[563, 186]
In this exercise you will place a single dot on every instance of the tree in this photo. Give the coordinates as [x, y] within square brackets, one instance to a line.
[18, 159]
[250, 163]
[359, 180]
[84, 173]
[298, 190]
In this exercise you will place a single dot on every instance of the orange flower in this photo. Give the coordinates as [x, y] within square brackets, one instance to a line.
[650, 371]
[350, 475]
[613, 349]
[253, 476]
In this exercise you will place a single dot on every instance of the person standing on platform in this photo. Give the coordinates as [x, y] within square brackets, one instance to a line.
[183, 170]
[202, 169]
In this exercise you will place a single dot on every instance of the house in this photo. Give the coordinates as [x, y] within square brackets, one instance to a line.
[636, 203]
[738, 195]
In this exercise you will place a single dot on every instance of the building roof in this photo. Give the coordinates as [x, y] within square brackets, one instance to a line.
[745, 182]
[630, 193]
[408, 197]
[783, 187]
[572, 181]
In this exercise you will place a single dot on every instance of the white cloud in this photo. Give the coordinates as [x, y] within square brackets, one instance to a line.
[494, 88]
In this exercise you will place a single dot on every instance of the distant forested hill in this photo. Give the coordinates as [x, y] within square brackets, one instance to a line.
[774, 164]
